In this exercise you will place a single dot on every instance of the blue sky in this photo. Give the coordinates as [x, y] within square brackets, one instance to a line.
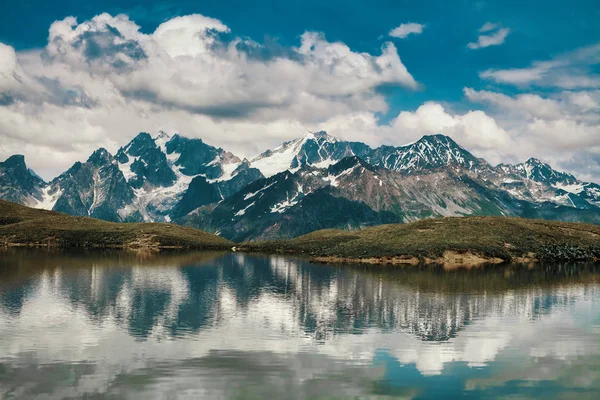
[539, 30]
[439, 60]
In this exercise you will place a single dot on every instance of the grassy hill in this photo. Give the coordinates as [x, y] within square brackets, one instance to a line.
[460, 241]
[463, 240]
[24, 226]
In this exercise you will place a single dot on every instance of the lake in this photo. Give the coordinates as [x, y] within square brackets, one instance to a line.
[231, 325]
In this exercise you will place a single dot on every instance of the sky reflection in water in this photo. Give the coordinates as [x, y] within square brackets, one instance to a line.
[243, 326]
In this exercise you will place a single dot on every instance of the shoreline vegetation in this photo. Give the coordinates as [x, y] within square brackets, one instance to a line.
[453, 242]
[22, 226]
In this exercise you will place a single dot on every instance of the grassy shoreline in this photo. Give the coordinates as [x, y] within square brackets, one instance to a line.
[22, 226]
[448, 241]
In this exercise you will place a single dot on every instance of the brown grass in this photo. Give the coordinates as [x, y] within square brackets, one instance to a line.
[470, 238]
[24, 226]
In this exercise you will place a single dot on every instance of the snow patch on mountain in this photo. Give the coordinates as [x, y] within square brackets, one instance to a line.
[278, 160]
[315, 149]
[129, 209]
[144, 197]
[333, 179]
[161, 141]
[281, 207]
[563, 199]
[153, 201]
[243, 211]
[48, 200]
[163, 199]
[575, 189]
[252, 194]
[228, 170]
[99, 192]
[126, 168]
[324, 164]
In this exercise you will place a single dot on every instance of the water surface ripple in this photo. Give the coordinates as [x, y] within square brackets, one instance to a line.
[229, 325]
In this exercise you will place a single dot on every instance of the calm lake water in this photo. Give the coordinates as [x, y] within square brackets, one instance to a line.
[214, 325]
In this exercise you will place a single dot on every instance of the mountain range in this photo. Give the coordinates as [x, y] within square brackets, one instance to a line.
[314, 182]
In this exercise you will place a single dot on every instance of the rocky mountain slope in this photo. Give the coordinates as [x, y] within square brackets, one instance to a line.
[95, 188]
[19, 184]
[314, 182]
[317, 149]
[431, 152]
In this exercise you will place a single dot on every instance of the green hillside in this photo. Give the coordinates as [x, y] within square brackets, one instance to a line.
[496, 239]
[24, 226]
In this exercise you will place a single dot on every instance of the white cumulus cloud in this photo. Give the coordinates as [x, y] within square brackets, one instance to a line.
[488, 26]
[99, 82]
[474, 130]
[404, 30]
[495, 35]
[572, 70]
[563, 129]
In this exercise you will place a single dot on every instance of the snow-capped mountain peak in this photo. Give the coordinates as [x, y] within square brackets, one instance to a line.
[100, 156]
[161, 140]
[317, 149]
[539, 171]
[162, 135]
[320, 136]
[161, 168]
[429, 152]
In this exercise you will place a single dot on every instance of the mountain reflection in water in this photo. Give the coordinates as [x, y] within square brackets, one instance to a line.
[229, 325]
